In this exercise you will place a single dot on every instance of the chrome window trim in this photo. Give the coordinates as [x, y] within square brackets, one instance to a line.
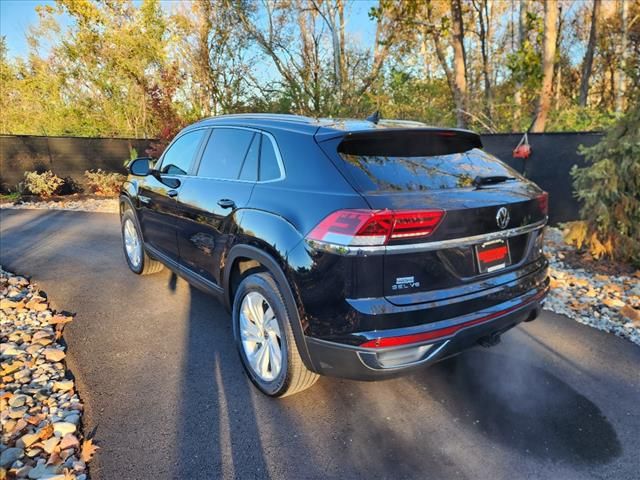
[425, 246]
[274, 144]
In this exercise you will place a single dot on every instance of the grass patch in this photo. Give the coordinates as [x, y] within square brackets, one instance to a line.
[9, 197]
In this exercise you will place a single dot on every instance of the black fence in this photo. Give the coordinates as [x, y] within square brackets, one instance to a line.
[64, 156]
[553, 155]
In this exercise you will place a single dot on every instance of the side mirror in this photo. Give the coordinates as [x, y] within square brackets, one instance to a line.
[140, 167]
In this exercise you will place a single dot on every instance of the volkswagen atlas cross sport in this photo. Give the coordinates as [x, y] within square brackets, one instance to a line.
[348, 248]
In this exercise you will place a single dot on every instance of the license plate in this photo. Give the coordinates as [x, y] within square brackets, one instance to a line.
[492, 256]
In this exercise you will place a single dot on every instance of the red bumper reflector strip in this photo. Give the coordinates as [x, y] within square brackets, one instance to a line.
[443, 332]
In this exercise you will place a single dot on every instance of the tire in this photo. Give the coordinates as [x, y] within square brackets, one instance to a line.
[292, 376]
[139, 263]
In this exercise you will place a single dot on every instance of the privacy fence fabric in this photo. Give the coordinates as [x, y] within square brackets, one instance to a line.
[553, 155]
[64, 156]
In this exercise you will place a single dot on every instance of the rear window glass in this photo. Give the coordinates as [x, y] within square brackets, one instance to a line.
[437, 172]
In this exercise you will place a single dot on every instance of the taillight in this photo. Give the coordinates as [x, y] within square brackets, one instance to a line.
[410, 224]
[375, 227]
[543, 203]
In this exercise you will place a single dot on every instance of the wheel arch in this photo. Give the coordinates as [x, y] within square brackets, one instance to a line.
[247, 258]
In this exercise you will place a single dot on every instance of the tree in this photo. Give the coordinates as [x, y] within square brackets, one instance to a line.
[548, 60]
[522, 33]
[214, 57]
[624, 53]
[587, 63]
[483, 9]
[608, 189]
[459, 65]
[134, 68]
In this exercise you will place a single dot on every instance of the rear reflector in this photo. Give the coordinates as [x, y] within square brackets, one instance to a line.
[488, 256]
[444, 332]
[375, 227]
[543, 203]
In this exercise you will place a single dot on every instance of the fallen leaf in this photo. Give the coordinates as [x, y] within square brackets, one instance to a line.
[68, 474]
[46, 432]
[88, 450]
[59, 319]
[36, 419]
[631, 313]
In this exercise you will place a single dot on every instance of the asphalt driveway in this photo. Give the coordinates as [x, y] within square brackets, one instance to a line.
[167, 397]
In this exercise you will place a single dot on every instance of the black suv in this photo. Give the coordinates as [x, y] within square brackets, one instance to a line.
[348, 248]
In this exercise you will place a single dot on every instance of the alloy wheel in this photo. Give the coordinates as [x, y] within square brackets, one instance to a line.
[132, 244]
[260, 336]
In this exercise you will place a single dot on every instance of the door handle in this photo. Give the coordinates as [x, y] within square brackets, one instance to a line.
[226, 203]
[172, 193]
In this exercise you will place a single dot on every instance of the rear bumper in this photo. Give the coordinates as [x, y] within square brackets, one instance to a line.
[420, 346]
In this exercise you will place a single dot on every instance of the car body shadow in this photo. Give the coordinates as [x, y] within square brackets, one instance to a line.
[223, 419]
[522, 407]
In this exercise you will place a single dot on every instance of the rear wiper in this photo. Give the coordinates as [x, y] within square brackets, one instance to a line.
[490, 180]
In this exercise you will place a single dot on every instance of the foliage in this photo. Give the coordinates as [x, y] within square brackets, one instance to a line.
[43, 184]
[581, 119]
[104, 183]
[9, 197]
[69, 187]
[137, 69]
[133, 154]
[610, 191]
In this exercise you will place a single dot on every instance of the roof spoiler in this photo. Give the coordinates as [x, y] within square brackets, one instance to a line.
[413, 142]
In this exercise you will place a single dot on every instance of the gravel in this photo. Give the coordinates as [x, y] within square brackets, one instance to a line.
[607, 302]
[104, 205]
[40, 410]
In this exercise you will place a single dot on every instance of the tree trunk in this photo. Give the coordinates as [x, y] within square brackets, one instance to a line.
[342, 39]
[557, 66]
[548, 57]
[522, 34]
[440, 53]
[558, 87]
[484, 22]
[335, 19]
[621, 84]
[459, 65]
[587, 63]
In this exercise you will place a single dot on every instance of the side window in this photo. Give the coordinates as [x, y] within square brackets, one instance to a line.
[250, 166]
[178, 158]
[224, 153]
[269, 169]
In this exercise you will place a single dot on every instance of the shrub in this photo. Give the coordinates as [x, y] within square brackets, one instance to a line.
[69, 187]
[610, 191]
[104, 183]
[43, 184]
[133, 154]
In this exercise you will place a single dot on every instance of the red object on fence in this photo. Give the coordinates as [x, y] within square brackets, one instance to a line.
[523, 149]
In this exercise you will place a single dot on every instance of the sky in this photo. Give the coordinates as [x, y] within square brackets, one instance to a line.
[17, 15]
[15, 18]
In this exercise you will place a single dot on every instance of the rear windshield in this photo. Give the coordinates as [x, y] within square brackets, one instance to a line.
[419, 173]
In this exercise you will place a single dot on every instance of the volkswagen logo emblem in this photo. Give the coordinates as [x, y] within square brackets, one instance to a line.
[502, 217]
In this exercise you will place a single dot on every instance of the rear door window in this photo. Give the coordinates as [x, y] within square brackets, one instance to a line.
[249, 171]
[269, 167]
[225, 153]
